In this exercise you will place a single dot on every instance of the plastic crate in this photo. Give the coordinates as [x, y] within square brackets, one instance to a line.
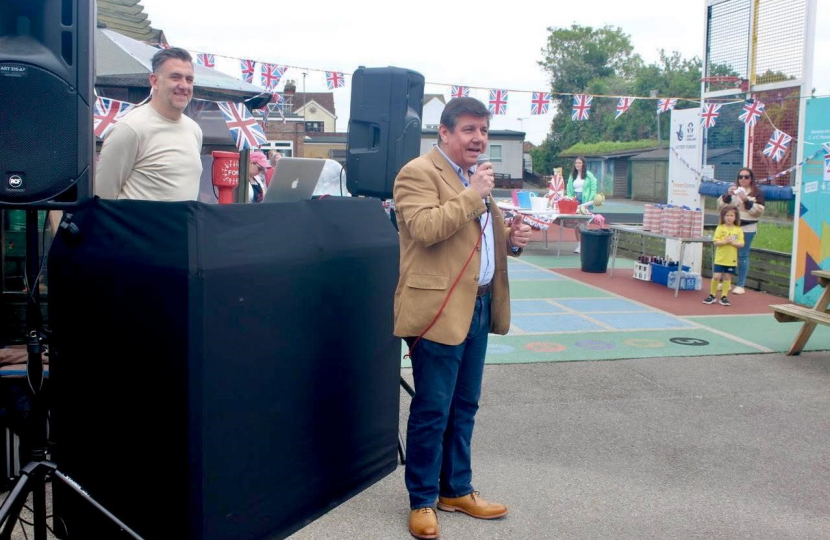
[689, 281]
[660, 272]
[642, 271]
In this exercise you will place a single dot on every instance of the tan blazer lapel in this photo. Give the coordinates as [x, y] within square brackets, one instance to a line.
[447, 172]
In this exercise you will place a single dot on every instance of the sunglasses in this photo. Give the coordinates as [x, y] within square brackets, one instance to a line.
[744, 176]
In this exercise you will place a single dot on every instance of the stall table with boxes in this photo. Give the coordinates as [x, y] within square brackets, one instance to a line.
[657, 271]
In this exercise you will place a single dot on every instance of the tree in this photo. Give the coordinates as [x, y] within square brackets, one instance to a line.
[603, 62]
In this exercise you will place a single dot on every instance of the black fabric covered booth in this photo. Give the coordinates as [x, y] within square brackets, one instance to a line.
[222, 372]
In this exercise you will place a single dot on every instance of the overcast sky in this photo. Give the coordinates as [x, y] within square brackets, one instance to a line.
[487, 44]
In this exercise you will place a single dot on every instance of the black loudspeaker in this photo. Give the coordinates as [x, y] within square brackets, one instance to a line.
[211, 382]
[384, 128]
[46, 102]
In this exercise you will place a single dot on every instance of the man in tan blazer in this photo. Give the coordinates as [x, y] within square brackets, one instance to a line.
[452, 292]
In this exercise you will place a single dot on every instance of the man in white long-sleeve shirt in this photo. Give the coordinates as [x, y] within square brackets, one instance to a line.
[153, 153]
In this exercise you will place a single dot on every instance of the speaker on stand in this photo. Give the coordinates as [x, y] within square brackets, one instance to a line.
[46, 156]
[384, 128]
[384, 135]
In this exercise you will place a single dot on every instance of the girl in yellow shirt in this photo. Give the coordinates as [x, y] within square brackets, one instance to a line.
[728, 238]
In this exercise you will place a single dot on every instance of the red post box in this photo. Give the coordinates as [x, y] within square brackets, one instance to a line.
[225, 174]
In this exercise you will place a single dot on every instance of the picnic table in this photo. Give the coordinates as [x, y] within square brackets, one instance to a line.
[811, 317]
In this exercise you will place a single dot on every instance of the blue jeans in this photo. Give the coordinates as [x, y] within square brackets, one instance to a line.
[743, 259]
[442, 413]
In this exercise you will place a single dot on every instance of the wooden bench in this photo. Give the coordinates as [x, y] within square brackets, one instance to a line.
[811, 317]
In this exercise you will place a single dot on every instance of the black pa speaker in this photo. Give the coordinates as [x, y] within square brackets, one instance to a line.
[46, 101]
[384, 128]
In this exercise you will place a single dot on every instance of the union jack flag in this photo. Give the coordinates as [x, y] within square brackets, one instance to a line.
[622, 105]
[277, 104]
[246, 132]
[582, 106]
[206, 59]
[460, 91]
[335, 79]
[498, 102]
[271, 75]
[666, 105]
[163, 46]
[540, 103]
[777, 145]
[709, 115]
[753, 109]
[248, 69]
[826, 147]
[107, 113]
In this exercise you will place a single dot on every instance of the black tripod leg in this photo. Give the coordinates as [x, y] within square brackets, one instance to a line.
[401, 446]
[14, 503]
[77, 489]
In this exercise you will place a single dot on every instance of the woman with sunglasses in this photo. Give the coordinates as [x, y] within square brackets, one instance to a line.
[749, 199]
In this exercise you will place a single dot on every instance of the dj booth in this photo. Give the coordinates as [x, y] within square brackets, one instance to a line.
[222, 372]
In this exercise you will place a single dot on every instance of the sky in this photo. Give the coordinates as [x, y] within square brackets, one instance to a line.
[483, 44]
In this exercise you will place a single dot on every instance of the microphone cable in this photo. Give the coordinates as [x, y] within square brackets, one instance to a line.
[408, 354]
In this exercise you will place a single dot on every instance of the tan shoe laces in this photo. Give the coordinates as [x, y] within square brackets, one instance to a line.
[425, 510]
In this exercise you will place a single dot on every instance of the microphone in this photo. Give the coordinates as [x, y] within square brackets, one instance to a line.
[480, 160]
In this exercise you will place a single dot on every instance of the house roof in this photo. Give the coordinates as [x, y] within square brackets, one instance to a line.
[324, 99]
[127, 17]
[311, 103]
[608, 149]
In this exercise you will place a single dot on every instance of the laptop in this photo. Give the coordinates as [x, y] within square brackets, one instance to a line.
[294, 180]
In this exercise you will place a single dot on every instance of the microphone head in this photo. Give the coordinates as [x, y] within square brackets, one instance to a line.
[482, 158]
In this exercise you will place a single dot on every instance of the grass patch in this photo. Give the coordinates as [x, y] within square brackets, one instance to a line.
[771, 236]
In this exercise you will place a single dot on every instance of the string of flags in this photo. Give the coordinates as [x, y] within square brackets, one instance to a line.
[271, 74]
[768, 179]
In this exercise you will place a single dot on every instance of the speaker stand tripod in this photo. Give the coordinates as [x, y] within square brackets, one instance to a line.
[33, 475]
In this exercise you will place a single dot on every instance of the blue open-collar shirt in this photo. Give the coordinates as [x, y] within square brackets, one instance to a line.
[488, 252]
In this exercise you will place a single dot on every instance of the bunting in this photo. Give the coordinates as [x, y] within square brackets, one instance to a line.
[753, 109]
[498, 102]
[777, 145]
[460, 91]
[247, 133]
[623, 105]
[666, 105]
[335, 79]
[709, 115]
[206, 59]
[271, 75]
[107, 113]
[248, 70]
[582, 106]
[539, 103]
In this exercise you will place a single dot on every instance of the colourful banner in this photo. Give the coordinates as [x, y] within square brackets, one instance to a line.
[812, 241]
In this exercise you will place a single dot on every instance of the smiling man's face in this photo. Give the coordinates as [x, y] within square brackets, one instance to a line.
[469, 139]
[172, 87]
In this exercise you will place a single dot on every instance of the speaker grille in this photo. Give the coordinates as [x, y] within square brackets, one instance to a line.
[39, 145]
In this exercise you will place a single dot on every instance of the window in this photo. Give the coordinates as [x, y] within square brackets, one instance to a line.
[314, 127]
[495, 153]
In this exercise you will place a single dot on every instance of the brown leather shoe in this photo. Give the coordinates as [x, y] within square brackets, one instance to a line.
[472, 505]
[423, 523]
